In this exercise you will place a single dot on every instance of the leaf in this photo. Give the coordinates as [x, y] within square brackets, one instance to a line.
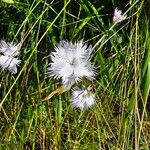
[84, 22]
[146, 72]
[8, 1]
[147, 57]
[147, 83]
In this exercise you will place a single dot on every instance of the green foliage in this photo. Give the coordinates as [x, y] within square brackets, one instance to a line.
[120, 118]
[8, 1]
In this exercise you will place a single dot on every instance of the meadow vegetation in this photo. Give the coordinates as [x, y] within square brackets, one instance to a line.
[120, 118]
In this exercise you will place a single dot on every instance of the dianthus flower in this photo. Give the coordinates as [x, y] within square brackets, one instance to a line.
[82, 98]
[118, 17]
[71, 62]
[7, 57]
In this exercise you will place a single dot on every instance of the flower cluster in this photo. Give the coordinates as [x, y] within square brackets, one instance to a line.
[7, 57]
[71, 62]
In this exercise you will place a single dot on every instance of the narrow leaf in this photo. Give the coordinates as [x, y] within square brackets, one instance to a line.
[8, 1]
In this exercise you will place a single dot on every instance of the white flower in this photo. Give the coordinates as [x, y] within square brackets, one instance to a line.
[10, 49]
[8, 53]
[71, 62]
[10, 63]
[118, 17]
[82, 98]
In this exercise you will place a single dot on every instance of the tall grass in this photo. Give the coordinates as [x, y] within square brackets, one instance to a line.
[120, 119]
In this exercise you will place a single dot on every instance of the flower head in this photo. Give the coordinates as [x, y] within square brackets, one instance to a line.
[9, 49]
[118, 17]
[82, 98]
[10, 63]
[71, 62]
[7, 58]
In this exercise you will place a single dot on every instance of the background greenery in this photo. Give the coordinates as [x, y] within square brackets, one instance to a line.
[121, 117]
